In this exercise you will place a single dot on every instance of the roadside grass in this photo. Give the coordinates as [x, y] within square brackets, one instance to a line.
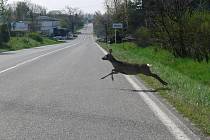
[188, 80]
[18, 43]
[48, 41]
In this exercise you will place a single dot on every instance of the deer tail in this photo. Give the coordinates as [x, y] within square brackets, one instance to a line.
[149, 65]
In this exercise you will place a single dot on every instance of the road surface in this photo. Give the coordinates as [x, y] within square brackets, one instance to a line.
[55, 93]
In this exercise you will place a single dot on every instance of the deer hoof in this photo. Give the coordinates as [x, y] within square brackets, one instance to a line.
[112, 79]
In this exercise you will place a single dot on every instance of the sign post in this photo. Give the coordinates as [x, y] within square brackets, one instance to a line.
[117, 26]
[115, 37]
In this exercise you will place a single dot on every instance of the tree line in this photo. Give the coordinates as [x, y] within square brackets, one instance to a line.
[180, 26]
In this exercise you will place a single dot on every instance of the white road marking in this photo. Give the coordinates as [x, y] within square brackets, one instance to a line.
[38, 57]
[163, 117]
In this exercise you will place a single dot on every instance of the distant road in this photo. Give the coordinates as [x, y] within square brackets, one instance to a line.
[55, 93]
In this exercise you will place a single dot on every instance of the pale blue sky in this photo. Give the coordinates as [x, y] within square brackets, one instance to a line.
[87, 6]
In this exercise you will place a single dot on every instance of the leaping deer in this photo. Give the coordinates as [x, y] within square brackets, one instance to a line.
[129, 69]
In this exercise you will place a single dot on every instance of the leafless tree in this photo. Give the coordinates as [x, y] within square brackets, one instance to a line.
[114, 5]
[35, 11]
[74, 15]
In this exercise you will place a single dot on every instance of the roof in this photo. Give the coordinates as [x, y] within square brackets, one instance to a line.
[46, 18]
[25, 22]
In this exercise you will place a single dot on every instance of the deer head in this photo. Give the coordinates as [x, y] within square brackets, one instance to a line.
[109, 56]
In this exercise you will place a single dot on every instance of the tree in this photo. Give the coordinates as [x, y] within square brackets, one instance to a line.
[4, 26]
[75, 18]
[22, 9]
[180, 27]
[136, 15]
[169, 17]
[114, 5]
[99, 24]
[4, 34]
[35, 11]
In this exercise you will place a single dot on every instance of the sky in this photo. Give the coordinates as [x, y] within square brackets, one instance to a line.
[87, 6]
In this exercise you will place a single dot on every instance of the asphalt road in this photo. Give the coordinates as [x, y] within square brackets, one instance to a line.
[55, 93]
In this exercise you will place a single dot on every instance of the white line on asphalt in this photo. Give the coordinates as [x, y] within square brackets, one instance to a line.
[33, 59]
[163, 117]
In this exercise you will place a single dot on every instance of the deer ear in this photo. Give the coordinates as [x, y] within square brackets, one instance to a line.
[110, 51]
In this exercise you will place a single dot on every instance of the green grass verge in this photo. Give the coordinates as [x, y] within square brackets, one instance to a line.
[188, 80]
[18, 43]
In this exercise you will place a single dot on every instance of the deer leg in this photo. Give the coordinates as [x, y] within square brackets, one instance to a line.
[158, 78]
[114, 72]
[107, 75]
[112, 76]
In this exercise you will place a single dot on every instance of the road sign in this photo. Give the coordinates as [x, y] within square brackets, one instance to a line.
[117, 25]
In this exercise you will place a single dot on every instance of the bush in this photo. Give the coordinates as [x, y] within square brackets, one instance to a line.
[186, 37]
[198, 30]
[143, 36]
[36, 36]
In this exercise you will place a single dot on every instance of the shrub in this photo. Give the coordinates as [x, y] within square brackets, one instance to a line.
[143, 36]
[198, 35]
[186, 37]
[36, 36]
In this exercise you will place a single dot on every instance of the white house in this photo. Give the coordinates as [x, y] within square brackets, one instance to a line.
[47, 24]
[19, 26]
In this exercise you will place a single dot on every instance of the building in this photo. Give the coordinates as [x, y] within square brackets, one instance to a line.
[19, 26]
[46, 25]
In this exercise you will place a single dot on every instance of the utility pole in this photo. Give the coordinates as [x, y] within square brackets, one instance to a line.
[72, 23]
[107, 24]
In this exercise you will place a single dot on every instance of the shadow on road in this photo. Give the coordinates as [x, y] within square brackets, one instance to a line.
[149, 90]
